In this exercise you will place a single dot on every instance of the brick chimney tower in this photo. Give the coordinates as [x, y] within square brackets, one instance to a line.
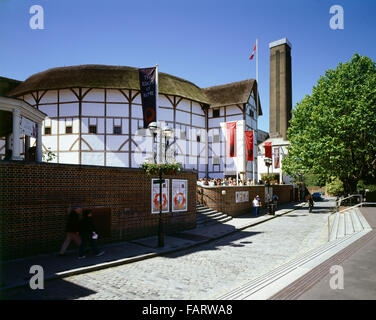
[280, 88]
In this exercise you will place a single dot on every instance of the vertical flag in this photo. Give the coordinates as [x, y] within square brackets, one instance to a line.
[249, 144]
[253, 52]
[230, 138]
[148, 88]
[276, 158]
[268, 149]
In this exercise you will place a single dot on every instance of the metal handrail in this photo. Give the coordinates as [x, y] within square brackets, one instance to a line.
[361, 204]
[339, 201]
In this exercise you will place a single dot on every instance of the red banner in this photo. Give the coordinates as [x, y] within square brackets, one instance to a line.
[268, 149]
[231, 127]
[248, 135]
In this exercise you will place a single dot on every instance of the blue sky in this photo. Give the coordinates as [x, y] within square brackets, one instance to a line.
[207, 42]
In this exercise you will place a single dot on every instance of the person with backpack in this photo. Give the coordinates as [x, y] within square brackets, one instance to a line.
[88, 235]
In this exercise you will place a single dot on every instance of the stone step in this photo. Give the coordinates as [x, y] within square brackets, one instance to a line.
[349, 227]
[334, 228]
[212, 222]
[206, 211]
[356, 222]
[207, 216]
[341, 226]
[363, 220]
[216, 217]
[268, 284]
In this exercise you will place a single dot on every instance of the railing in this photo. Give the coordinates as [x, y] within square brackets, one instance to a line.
[341, 200]
[361, 204]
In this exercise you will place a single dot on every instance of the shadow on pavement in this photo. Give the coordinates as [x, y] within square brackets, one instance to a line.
[53, 290]
[216, 244]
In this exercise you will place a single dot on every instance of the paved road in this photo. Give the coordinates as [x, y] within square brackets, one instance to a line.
[359, 276]
[203, 272]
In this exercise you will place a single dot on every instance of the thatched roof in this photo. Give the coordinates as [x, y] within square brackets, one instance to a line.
[7, 85]
[102, 76]
[232, 93]
[123, 77]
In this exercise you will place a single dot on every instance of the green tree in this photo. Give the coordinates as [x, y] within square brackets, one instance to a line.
[333, 131]
[335, 187]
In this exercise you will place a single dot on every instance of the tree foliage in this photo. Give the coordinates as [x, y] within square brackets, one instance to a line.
[333, 131]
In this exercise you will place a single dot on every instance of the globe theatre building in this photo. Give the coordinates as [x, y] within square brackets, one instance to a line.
[94, 117]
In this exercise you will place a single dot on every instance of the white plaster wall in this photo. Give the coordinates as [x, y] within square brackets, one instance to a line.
[29, 99]
[183, 117]
[66, 143]
[196, 108]
[95, 141]
[69, 157]
[50, 110]
[67, 95]
[117, 159]
[184, 105]
[215, 122]
[92, 158]
[165, 114]
[95, 95]
[163, 101]
[198, 121]
[117, 110]
[115, 96]
[137, 99]
[69, 109]
[49, 97]
[92, 109]
[137, 111]
[231, 110]
[49, 142]
[114, 142]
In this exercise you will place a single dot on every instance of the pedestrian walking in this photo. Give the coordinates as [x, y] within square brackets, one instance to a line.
[256, 204]
[88, 235]
[72, 230]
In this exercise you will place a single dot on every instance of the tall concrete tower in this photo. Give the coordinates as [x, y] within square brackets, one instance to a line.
[280, 88]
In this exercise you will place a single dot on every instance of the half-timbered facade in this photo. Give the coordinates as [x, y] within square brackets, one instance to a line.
[95, 117]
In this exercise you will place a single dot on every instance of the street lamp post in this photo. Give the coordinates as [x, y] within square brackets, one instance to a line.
[166, 133]
[268, 163]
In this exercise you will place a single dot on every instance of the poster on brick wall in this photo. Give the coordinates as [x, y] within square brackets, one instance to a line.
[241, 196]
[155, 195]
[179, 195]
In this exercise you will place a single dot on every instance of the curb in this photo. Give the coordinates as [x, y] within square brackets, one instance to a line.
[124, 261]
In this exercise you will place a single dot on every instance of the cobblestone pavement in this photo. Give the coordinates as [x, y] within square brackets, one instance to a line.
[203, 272]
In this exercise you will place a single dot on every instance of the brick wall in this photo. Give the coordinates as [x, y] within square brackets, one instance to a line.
[34, 200]
[212, 197]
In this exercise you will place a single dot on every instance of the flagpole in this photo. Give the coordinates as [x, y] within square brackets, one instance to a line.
[156, 111]
[255, 136]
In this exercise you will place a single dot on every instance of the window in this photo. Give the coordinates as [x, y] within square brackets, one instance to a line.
[92, 129]
[47, 130]
[251, 113]
[117, 129]
[183, 135]
[68, 129]
[198, 138]
[216, 161]
[216, 138]
[215, 113]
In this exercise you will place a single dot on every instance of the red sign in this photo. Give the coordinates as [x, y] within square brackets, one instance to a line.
[268, 149]
[249, 144]
[231, 127]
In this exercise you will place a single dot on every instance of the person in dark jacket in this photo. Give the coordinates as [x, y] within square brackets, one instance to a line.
[88, 235]
[72, 231]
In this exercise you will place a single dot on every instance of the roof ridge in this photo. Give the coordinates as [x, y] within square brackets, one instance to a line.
[230, 83]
